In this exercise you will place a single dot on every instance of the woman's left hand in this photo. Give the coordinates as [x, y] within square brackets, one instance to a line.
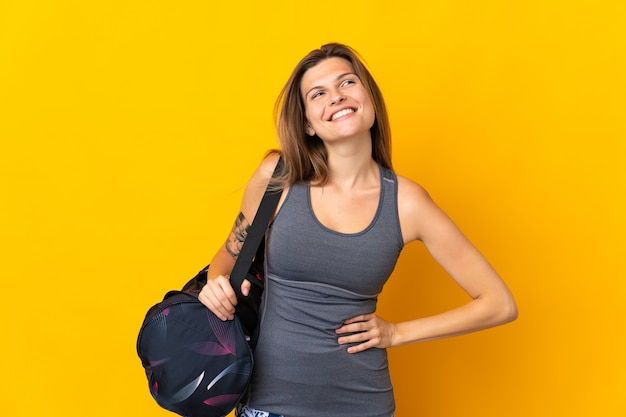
[368, 331]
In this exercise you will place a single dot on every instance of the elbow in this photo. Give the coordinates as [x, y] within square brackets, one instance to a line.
[512, 314]
[508, 311]
[500, 310]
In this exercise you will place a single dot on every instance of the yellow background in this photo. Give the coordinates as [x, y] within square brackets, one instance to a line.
[128, 129]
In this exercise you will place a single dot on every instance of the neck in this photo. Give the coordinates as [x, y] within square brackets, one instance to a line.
[351, 166]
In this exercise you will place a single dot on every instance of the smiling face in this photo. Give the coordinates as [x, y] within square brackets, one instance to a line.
[337, 104]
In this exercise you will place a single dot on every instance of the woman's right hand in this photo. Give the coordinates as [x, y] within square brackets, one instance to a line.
[219, 297]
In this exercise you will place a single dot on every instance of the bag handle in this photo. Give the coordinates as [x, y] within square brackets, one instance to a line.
[256, 233]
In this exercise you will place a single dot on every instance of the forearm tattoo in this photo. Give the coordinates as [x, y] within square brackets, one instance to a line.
[237, 235]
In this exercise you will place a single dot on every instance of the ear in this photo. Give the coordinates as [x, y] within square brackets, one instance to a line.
[309, 129]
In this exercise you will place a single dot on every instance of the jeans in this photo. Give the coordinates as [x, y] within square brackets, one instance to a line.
[245, 411]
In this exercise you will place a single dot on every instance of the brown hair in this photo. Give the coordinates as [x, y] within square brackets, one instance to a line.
[305, 156]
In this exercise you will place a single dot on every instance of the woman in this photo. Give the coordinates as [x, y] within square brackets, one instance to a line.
[343, 218]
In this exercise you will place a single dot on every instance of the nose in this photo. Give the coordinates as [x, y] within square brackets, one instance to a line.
[338, 98]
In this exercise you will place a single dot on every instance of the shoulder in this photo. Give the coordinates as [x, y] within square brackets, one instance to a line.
[416, 209]
[266, 168]
[263, 173]
[257, 184]
[411, 195]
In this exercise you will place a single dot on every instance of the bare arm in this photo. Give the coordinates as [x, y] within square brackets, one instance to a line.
[217, 294]
[491, 303]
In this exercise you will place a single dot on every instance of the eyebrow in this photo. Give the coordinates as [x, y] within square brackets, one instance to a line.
[340, 76]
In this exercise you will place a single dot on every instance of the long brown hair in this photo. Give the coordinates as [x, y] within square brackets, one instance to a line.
[305, 157]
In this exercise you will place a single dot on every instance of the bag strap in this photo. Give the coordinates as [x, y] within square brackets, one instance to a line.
[255, 233]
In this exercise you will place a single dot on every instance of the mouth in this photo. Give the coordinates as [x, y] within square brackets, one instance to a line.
[341, 113]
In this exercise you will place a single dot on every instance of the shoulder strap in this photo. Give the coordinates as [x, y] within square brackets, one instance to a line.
[256, 233]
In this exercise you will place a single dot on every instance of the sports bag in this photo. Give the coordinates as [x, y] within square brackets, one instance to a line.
[196, 364]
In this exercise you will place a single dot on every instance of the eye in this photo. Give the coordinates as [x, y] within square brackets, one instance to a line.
[316, 94]
[347, 82]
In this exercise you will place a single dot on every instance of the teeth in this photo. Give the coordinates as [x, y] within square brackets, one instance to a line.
[341, 113]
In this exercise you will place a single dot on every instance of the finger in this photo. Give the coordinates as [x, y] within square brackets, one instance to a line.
[360, 347]
[363, 332]
[228, 296]
[358, 342]
[361, 318]
[353, 338]
[226, 306]
[356, 327]
[219, 295]
[245, 287]
[217, 309]
[221, 311]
